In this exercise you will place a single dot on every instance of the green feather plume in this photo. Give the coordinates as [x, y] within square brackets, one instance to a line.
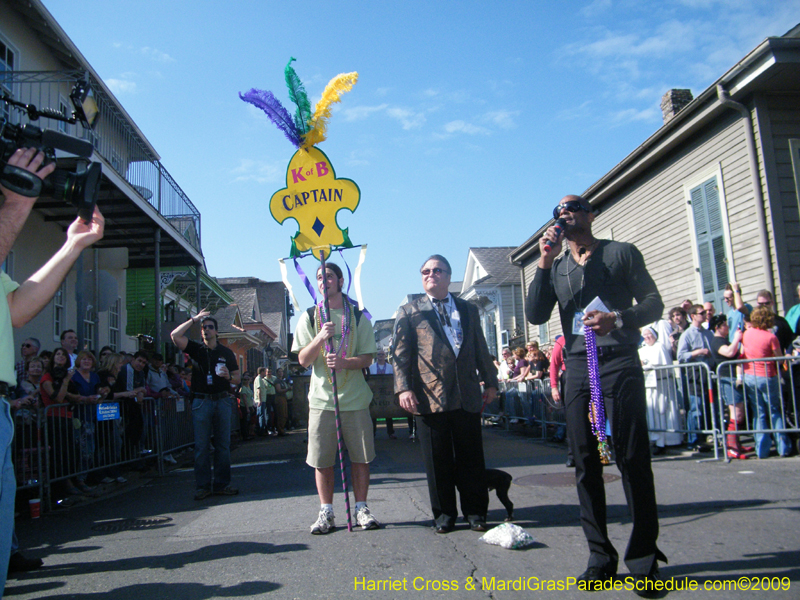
[297, 94]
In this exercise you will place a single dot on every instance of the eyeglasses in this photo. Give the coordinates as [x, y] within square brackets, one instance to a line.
[702, 312]
[572, 206]
[27, 345]
[211, 327]
[728, 297]
[766, 303]
[436, 271]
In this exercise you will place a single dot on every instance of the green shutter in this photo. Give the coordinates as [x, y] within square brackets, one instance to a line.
[707, 216]
[140, 288]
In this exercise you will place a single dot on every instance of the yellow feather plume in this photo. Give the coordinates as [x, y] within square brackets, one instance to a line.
[318, 125]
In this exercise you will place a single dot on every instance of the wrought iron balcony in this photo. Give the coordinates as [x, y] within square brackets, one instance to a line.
[115, 138]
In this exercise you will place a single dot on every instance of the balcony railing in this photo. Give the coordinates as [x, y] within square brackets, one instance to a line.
[115, 139]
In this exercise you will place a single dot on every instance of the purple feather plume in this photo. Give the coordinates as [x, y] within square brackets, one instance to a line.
[266, 101]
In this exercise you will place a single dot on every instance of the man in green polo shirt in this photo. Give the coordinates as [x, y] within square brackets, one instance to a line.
[343, 342]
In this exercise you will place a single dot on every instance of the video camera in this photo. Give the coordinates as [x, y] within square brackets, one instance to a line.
[78, 188]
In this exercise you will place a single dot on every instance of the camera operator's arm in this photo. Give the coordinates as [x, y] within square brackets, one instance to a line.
[28, 299]
[15, 208]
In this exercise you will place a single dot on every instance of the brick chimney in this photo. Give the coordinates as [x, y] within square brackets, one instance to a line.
[673, 102]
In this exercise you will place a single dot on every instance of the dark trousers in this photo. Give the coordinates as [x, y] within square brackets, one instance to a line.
[622, 383]
[452, 448]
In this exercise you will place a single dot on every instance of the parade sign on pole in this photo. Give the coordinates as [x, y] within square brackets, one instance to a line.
[312, 197]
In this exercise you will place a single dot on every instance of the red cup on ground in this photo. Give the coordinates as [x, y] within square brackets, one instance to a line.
[36, 508]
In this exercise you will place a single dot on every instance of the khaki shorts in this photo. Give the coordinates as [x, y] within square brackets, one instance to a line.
[356, 431]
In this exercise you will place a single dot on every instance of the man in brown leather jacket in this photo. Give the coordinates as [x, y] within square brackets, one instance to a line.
[440, 360]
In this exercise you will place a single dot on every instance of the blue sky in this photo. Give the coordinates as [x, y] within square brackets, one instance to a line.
[470, 120]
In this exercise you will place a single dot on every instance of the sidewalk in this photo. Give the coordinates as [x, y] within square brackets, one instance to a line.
[718, 522]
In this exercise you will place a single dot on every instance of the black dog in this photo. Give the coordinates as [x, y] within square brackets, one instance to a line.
[500, 481]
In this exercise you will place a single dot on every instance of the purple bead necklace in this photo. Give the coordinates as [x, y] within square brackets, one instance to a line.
[597, 411]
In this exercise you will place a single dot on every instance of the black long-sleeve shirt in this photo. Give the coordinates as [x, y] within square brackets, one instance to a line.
[616, 273]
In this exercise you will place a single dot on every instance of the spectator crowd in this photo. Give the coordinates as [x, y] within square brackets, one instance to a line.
[757, 390]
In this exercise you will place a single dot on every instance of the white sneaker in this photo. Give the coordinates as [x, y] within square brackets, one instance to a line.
[325, 523]
[170, 459]
[121, 479]
[365, 519]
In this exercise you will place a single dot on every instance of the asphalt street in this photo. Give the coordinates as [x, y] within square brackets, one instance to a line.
[722, 524]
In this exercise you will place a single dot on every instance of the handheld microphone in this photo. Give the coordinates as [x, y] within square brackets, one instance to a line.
[559, 227]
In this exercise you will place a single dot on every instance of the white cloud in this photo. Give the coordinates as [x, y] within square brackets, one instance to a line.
[628, 115]
[359, 113]
[156, 55]
[575, 112]
[121, 86]
[503, 118]
[464, 127]
[359, 159]
[595, 8]
[258, 171]
[409, 119]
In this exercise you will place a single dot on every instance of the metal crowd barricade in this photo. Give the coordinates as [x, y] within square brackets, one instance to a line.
[513, 402]
[175, 420]
[62, 443]
[495, 410]
[552, 415]
[26, 450]
[681, 399]
[79, 439]
[760, 400]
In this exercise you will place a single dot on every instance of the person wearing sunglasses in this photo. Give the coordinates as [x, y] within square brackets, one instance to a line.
[694, 347]
[614, 272]
[439, 350]
[214, 373]
[28, 349]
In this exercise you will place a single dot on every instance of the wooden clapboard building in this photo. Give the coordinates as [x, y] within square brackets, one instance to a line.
[712, 196]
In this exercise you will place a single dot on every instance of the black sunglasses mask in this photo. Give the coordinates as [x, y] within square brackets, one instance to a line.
[572, 206]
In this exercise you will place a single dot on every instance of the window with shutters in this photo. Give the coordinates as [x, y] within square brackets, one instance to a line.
[59, 310]
[710, 239]
[9, 58]
[113, 324]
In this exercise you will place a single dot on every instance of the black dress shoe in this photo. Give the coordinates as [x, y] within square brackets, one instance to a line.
[17, 563]
[444, 524]
[593, 578]
[477, 523]
[658, 450]
[644, 585]
[570, 462]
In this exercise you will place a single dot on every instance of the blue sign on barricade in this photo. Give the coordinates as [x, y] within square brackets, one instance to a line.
[108, 411]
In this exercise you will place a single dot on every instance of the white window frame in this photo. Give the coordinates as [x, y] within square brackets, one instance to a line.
[89, 326]
[113, 324]
[794, 148]
[544, 333]
[63, 108]
[5, 110]
[699, 179]
[59, 310]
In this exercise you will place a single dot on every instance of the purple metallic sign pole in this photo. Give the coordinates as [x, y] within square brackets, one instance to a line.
[329, 348]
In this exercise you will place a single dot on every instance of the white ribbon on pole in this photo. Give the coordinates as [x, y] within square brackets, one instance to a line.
[285, 278]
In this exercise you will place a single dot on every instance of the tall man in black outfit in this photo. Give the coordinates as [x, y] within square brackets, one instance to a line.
[615, 272]
[439, 349]
[214, 372]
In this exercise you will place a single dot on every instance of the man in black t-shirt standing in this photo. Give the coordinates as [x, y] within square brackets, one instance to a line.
[615, 273]
[215, 371]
